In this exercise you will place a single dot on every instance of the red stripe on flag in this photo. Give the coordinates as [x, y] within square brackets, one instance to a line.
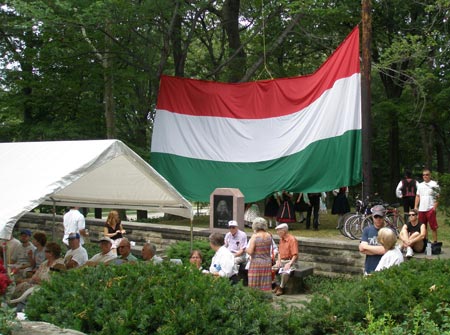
[259, 99]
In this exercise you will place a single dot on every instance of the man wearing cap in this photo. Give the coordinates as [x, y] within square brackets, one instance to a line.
[287, 256]
[77, 255]
[22, 256]
[74, 222]
[236, 241]
[105, 255]
[369, 243]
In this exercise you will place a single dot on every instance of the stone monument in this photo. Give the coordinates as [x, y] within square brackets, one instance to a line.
[226, 204]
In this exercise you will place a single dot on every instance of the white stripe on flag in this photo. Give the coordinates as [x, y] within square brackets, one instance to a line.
[241, 140]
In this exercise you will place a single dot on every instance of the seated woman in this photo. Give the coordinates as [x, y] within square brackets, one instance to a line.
[53, 262]
[113, 229]
[393, 255]
[196, 258]
[413, 234]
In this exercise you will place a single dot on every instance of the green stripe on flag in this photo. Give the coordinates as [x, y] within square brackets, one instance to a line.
[329, 163]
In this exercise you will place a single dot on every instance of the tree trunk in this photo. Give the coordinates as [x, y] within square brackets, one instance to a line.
[140, 215]
[230, 23]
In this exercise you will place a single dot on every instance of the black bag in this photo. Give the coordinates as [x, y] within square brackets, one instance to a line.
[436, 248]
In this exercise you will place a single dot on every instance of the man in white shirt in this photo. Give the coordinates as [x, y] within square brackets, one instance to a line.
[236, 242]
[427, 202]
[74, 222]
[77, 255]
[105, 255]
[222, 263]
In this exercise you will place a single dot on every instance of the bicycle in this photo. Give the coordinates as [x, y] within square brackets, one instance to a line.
[352, 222]
[392, 218]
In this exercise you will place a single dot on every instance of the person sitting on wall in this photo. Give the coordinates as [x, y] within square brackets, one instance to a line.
[105, 255]
[287, 257]
[77, 255]
[148, 253]
[414, 234]
[53, 262]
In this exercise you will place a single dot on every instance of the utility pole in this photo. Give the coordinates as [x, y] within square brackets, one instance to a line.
[366, 118]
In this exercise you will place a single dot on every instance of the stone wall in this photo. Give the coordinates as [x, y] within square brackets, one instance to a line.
[327, 256]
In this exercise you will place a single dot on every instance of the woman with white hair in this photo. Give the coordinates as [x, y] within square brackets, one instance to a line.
[259, 249]
[393, 256]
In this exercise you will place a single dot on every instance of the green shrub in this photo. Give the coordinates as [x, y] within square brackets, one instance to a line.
[393, 294]
[8, 321]
[156, 299]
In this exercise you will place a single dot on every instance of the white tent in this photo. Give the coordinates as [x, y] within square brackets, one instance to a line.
[94, 174]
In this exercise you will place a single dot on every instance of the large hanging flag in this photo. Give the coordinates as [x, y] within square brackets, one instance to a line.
[301, 134]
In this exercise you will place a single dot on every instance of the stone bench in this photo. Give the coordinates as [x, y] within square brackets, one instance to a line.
[296, 283]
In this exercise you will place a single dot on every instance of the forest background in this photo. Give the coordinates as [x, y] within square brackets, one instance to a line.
[75, 70]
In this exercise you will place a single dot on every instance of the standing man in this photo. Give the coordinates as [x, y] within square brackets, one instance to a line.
[77, 255]
[287, 256]
[236, 242]
[313, 202]
[369, 241]
[74, 222]
[427, 203]
[407, 190]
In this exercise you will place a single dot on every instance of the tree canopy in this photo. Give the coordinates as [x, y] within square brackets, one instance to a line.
[90, 69]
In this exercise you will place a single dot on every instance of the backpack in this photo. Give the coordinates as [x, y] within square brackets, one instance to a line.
[409, 189]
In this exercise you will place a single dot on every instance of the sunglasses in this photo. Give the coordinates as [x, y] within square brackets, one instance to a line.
[426, 174]
[377, 217]
[412, 214]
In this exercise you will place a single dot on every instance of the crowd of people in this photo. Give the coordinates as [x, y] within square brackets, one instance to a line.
[420, 201]
[283, 206]
[267, 266]
[259, 261]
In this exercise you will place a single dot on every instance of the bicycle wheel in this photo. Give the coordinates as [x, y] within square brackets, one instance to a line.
[356, 227]
[341, 227]
[347, 224]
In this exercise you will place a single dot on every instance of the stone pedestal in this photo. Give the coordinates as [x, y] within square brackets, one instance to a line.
[226, 204]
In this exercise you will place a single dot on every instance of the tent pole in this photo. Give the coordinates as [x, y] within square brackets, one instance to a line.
[54, 220]
[192, 234]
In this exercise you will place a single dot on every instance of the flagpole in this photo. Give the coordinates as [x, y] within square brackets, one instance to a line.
[366, 40]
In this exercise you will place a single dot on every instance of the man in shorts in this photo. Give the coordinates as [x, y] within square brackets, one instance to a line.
[427, 202]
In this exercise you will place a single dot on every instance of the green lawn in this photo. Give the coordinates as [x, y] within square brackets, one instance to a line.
[327, 228]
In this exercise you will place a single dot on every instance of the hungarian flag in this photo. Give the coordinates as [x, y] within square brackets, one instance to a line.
[301, 134]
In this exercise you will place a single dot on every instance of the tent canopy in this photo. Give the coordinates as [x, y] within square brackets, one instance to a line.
[98, 173]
